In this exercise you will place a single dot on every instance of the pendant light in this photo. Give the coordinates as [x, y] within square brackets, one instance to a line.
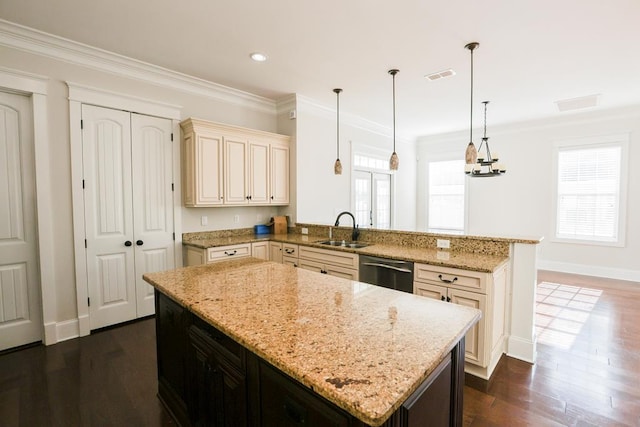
[337, 167]
[487, 162]
[471, 154]
[394, 161]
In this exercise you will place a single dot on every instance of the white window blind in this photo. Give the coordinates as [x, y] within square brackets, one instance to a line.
[588, 196]
[446, 196]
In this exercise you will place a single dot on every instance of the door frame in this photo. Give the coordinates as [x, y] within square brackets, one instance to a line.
[80, 94]
[35, 87]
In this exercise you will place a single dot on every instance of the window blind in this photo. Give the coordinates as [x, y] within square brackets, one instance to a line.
[589, 193]
[446, 195]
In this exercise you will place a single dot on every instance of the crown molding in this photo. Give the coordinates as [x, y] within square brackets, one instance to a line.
[40, 43]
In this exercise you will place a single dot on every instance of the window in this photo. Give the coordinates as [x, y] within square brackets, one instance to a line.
[590, 191]
[446, 196]
[371, 191]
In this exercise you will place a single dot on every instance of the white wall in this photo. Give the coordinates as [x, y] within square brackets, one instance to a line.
[321, 194]
[521, 202]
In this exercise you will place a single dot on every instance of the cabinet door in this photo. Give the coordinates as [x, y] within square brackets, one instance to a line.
[275, 252]
[280, 174]
[259, 173]
[235, 167]
[430, 291]
[260, 250]
[475, 338]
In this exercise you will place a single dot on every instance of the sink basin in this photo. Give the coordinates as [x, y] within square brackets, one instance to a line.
[344, 244]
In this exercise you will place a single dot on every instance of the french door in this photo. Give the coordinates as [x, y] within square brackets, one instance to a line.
[128, 207]
[372, 199]
[20, 303]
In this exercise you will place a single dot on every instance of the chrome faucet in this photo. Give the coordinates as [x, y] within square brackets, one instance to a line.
[355, 233]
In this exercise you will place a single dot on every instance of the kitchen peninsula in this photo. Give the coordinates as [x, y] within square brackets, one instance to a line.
[268, 344]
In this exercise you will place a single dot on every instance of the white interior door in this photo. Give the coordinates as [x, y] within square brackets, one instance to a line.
[20, 302]
[372, 199]
[152, 158]
[106, 155]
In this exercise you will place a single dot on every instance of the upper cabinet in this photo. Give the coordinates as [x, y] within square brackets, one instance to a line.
[226, 165]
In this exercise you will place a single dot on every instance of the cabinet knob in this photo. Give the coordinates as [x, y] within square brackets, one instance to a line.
[443, 298]
[128, 243]
[271, 197]
[139, 242]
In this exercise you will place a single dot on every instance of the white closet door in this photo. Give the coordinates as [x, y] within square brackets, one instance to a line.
[152, 156]
[20, 310]
[106, 154]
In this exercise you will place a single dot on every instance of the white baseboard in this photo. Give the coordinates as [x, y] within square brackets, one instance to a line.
[590, 270]
[55, 332]
[522, 349]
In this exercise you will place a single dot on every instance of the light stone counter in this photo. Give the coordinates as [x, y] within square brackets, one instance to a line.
[363, 347]
[465, 260]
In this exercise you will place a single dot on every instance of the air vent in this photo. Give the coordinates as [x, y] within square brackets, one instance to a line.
[440, 75]
[578, 103]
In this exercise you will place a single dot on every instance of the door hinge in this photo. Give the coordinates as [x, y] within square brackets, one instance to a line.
[81, 124]
[171, 136]
[83, 184]
[172, 188]
[85, 243]
[174, 236]
[88, 302]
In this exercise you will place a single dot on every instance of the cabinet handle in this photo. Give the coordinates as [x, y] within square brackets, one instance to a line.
[448, 299]
[248, 197]
[231, 253]
[295, 412]
[139, 242]
[323, 271]
[128, 243]
[443, 298]
[446, 280]
[271, 197]
[289, 251]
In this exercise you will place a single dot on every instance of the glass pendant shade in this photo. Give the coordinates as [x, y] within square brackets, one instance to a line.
[471, 154]
[337, 166]
[394, 161]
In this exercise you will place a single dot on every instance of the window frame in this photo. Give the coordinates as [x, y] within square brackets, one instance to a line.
[446, 157]
[377, 153]
[585, 143]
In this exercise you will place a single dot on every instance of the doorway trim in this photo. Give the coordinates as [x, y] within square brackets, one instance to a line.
[35, 86]
[80, 94]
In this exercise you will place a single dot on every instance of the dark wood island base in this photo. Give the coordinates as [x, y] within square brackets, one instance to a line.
[205, 378]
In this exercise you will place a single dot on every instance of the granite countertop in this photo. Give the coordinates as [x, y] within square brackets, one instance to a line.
[464, 260]
[363, 347]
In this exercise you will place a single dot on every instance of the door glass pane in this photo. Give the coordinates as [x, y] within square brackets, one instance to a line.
[362, 193]
[382, 204]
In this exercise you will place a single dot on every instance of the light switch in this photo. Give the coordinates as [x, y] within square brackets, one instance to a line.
[204, 220]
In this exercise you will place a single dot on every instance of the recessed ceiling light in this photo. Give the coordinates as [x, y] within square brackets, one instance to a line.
[258, 57]
[440, 75]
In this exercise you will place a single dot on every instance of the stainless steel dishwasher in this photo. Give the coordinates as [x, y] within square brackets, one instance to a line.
[390, 273]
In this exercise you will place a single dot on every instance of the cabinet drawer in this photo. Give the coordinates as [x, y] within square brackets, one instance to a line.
[292, 261]
[451, 277]
[290, 250]
[286, 403]
[335, 258]
[230, 350]
[222, 253]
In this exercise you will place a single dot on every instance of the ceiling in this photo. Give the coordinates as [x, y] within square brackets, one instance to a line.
[531, 54]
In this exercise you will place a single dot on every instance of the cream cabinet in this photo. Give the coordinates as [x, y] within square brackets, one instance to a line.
[484, 343]
[332, 262]
[226, 165]
[260, 250]
[275, 252]
[197, 256]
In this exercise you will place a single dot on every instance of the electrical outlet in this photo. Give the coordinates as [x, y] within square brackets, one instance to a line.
[204, 220]
[236, 219]
[305, 230]
[443, 243]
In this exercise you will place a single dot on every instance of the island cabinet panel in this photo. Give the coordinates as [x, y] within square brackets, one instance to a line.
[208, 379]
[172, 321]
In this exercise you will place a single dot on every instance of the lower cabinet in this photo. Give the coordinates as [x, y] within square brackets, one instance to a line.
[207, 379]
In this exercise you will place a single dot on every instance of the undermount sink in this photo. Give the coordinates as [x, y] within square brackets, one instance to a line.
[343, 244]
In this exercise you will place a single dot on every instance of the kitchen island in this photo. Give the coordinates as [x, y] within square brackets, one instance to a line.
[248, 342]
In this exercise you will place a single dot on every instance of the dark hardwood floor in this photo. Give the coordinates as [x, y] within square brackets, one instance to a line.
[587, 374]
[588, 367]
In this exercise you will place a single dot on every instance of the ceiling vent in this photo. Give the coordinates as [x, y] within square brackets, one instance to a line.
[578, 103]
[440, 75]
